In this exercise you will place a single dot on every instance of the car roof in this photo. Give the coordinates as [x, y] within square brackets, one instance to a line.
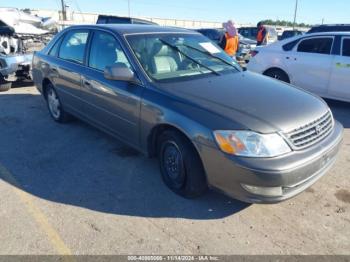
[283, 42]
[217, 29]
[126, 18]
[329, 25]
[329, 33]
[124, 29]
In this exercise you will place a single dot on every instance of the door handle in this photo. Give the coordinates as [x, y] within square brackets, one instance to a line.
[86, 83]
[289, 58]
[54, 71]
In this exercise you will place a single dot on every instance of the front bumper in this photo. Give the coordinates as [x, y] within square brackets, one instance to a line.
[10, 64]
[294, 172]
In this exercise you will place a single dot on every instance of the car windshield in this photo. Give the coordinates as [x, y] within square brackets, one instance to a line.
[167, 57]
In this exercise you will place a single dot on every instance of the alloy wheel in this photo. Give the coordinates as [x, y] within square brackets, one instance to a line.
[54, 104]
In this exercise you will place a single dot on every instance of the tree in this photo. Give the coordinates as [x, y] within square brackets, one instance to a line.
[283, 23]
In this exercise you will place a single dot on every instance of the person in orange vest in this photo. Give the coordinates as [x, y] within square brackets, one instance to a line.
[230, 41]
[261, 37]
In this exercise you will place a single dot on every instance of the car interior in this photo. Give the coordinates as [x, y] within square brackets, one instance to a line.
[161, 59]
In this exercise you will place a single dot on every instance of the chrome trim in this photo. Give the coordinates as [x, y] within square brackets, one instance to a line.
[311, 133]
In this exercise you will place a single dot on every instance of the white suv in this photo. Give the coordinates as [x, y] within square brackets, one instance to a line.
[319, 63]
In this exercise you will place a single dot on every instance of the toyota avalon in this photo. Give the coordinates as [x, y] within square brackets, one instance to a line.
[172, 94]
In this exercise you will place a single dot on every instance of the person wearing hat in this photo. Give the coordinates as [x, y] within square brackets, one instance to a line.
[230, 41]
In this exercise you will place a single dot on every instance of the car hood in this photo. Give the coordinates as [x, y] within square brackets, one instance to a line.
[251, 101]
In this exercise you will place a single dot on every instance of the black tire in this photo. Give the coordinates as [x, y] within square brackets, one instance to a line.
[5, 86]
[278, 74]
[180, 165]
[58, 114]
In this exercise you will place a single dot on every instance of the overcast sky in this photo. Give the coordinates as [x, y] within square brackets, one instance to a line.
[241, 11]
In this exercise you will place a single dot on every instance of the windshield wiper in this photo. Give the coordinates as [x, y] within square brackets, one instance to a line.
[189, 57]
[211, 55]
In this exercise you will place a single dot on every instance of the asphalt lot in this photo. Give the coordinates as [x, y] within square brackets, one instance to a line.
[71, 189]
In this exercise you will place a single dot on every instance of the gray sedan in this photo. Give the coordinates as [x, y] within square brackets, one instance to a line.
[173, 94]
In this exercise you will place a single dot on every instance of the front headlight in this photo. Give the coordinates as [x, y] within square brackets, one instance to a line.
[251, 144]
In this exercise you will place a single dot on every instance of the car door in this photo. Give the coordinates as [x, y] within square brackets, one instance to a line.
[113, 105]
[339, 83]
[67, 71]
[309, 64]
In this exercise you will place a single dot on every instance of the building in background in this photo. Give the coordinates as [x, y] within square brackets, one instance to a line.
[74, 17]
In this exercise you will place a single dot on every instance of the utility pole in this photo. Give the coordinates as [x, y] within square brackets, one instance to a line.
[64, 16]
[295, 14]
[129, 8]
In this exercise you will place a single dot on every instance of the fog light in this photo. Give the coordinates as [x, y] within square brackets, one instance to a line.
[264, 191]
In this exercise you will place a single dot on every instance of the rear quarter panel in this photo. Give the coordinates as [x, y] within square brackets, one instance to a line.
[38, 71]
[266, 59]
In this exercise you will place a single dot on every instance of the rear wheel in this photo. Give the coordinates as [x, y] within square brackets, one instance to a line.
[5, 85]
[277, 74]
[180, 165]
[54, 105]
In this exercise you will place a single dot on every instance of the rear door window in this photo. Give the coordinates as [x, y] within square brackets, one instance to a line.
[54, 49]
[319, 45]
[291, 45]
[73, 46]
[346, 47]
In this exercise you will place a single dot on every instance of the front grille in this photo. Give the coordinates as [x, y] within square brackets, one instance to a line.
[311, 133]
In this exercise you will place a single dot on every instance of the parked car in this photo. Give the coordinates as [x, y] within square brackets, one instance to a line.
[279, 31]
[248, 32]
[20, 35]
[290, 33]
[109, 19]
[214, 34]
[318, 63]
[251, 33]
[330, 28]
[172, 93]
[246, 45]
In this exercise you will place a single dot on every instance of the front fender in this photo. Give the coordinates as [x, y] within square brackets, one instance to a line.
[158, 109]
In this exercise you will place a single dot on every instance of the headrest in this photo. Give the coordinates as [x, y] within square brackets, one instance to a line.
[160, 49]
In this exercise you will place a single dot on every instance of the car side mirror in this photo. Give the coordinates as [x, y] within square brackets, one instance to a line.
[120, 72]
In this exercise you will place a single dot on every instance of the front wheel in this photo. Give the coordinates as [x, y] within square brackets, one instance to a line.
[180, 165]
[54, 105]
